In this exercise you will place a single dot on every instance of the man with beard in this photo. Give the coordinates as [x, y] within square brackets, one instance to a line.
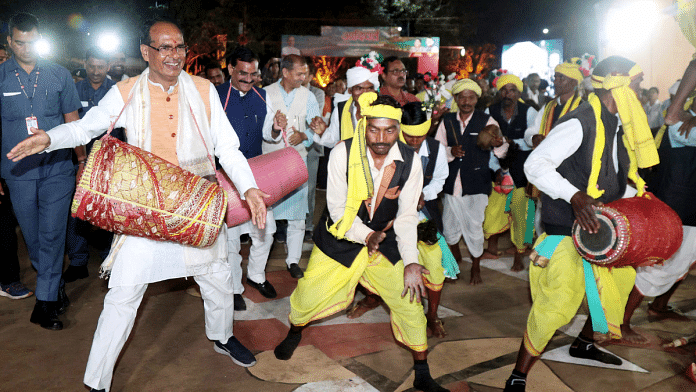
[368, 235]
[577, 169]
[117, 67]
[245, 106]
[468, 184]
[514, 118]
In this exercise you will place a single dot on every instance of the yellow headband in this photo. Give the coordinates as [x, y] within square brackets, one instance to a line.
[570, 70]
[633, 73]
[414, 130]
[380, 111]
[507, 79]
[466, 84]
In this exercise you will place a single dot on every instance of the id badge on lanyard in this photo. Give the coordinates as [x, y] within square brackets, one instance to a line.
[32, 122]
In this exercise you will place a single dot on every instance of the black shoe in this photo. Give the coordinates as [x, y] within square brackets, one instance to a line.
[244, 239]
[308, 236]
[97, 390]
[235, 350]
[587, 350]
[73, 273]
[239, 303]
[515, 385]
[265, 288]
[427, 384]
[295, 271]
[280, 237]
[63, 301]
[45, 315]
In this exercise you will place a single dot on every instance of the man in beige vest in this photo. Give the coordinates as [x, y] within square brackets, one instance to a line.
[292, 113]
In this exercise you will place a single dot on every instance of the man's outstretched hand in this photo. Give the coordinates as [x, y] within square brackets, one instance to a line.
[34, 144]
[413, 281]
[254, 198]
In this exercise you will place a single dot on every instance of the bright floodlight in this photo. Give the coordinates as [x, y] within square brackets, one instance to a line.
[42, 47]
[399, 28]
[108, 42]
[630, 26]
[462, 52]
[545, 31]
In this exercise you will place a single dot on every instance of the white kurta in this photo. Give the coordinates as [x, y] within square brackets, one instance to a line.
[140, 260]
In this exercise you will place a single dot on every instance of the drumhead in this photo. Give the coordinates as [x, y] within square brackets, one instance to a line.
[606, 245]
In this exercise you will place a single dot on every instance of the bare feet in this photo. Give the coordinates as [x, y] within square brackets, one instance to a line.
[631, 336]
[363, 306]
[517, 264]
[491, 255]
[664, 313]
[475, 276]
[437, 327]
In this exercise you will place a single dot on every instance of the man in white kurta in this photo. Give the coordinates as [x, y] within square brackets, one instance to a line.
[295, 108]
[134, 262]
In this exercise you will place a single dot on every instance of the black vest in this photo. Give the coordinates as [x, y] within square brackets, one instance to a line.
[345, 251]
[675, 180]
[514, 130]
[557, 214]
[428, 170]
[473, 168]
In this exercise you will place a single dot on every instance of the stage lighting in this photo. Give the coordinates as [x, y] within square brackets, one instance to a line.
[42, 47]
[108, 42]
[630, 25]
[545, 31]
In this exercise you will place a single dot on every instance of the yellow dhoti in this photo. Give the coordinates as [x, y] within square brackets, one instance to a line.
[329, 287]
[519, 208]
[430, 257]
[497, 220]
[558, 291]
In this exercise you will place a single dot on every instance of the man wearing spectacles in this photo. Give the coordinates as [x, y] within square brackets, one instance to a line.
[245, 106]
[178, 118]
[394, 78]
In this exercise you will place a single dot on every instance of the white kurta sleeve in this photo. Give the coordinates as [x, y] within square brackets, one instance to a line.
[534, 129]
[332, 134]
[94, 123]
[268, 121]
[406, 221]
[540, 167]
[440, 174]
[226, 145]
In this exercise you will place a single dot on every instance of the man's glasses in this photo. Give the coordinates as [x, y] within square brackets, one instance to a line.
[398, 71]
[169, 50]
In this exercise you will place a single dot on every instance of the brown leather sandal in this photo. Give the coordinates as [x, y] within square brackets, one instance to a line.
[437, 327]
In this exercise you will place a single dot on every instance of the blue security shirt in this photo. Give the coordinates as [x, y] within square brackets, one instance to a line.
[54, 96]
[246, 114]
[90, 98]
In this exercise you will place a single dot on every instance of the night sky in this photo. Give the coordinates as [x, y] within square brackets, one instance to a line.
[496, 21]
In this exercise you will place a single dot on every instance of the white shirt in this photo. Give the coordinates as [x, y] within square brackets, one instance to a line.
[332, 135]
[564, 141]
[531, 117]
[440, 173]
[140, 260]
[536, 124]
[406, 217]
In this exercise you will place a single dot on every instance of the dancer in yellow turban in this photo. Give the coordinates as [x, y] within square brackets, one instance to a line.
[368, 236]
[576, 169]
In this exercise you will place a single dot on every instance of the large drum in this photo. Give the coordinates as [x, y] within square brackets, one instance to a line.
[277, 174]
[127, 190]
[636, 231]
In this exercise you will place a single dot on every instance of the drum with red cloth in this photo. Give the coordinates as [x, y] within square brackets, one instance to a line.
[636, 231]
[127, 190]
[277, 174]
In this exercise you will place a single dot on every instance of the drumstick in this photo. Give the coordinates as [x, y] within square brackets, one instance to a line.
[679, 342]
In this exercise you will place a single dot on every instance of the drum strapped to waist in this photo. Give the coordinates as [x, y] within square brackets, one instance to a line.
[277, 174]
[636, 232]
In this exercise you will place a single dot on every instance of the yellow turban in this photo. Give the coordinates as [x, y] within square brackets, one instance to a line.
[465, 84]
[360, 186]
[507, 79]
[637, 135]
[416, 130]
[570, 70]
[685, 17]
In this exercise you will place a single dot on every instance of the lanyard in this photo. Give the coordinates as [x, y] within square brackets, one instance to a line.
[24, 90]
